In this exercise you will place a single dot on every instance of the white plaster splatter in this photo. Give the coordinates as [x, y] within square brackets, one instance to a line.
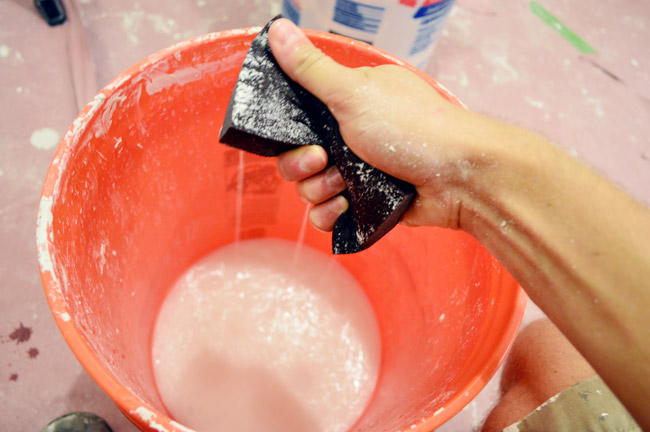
[4, 51]
[506, 72]
[599, 111]
[1, 172]
[634, 62]
[133, 21]
[598, 106]
[44, 138]
[158, 80]
[439, 411]
[464, 81]
[535, 103]
[102, 257]
[43, 222]
[65, 317]
[442, 317]
[149, 416]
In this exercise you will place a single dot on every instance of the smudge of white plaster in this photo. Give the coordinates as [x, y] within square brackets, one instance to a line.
[102, 257]
[505, 71]
[464, 82]
[43, 222]
[133, 21]
[65, 317]
[44, 138]
[535, 103]
[4, 51]
[149, 416]
[598, 106]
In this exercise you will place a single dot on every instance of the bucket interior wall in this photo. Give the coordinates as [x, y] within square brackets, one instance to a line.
[148, 190]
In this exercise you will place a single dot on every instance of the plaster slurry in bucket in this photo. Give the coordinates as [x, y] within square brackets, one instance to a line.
[257, 337]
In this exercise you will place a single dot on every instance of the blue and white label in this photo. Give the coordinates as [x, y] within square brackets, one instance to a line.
[432, 17]
[405, 28]
[358, 15]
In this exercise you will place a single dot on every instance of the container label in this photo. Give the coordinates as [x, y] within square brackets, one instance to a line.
[291, 10]
[358, 15]
[433, 9]
[432, 15]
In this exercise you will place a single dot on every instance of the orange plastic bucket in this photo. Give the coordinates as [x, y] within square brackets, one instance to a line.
[140, 188]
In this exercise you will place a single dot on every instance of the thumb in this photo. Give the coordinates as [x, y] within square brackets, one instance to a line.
[318, 73]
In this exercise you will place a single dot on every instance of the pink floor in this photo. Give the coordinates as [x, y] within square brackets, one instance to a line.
[498, 57]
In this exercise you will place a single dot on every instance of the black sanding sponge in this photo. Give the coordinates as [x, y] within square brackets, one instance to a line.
[269, 113]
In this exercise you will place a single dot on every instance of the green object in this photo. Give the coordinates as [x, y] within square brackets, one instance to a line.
[78, 422]
[559, 27]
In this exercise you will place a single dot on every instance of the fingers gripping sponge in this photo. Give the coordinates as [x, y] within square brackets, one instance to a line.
[269, 113]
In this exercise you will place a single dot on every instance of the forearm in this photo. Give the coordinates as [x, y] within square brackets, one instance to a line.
[578, 245]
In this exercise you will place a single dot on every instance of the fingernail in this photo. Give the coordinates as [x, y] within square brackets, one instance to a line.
[333, 178]
[286, 32]
[312, 161]
[338, 205]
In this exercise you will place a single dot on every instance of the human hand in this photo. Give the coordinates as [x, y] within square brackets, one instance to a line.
[390, 118]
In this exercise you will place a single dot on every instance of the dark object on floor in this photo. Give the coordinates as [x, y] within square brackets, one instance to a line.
[269, 113]
[51, 10]
[78, 422]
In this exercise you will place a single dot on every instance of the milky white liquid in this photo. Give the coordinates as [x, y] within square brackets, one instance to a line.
[255, 338]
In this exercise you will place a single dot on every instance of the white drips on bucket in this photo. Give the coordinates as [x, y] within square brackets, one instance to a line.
[44, 221]
[149, 416]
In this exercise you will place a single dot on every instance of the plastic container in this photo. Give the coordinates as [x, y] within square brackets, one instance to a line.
[140, 188]
[408, 29]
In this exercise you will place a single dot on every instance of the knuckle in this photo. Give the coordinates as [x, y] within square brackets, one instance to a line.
[310, 61]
